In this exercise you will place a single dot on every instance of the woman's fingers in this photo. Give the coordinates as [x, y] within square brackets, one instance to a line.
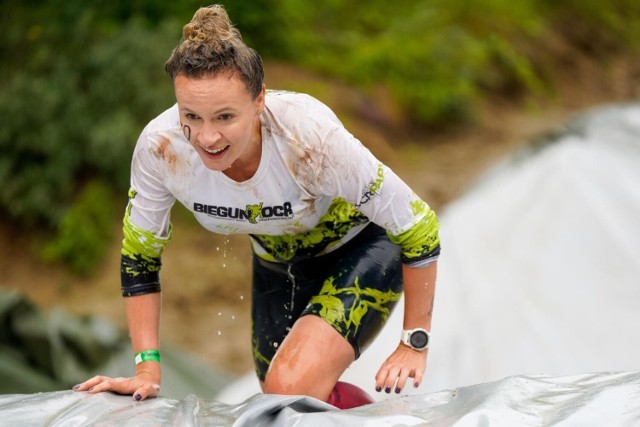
[146, 391]
[150, 385]
[117, 385]
[139, 388]
[387, 377]
[417, 379]
[404, 363]
[402, 379]
[90, 383]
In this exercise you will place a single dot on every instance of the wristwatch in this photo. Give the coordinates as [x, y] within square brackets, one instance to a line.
[418, 339]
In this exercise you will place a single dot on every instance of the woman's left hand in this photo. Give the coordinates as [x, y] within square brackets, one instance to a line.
[404, 363]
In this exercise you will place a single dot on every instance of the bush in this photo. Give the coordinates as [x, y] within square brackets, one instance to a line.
[74, 109]
[433, 55]
[76, 94]
[440, 57]
[85, 230]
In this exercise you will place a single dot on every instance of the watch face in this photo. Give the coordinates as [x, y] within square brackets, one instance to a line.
[419, 339]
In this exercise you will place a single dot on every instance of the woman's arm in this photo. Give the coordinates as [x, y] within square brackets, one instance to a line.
[143, 317]
[419, 289]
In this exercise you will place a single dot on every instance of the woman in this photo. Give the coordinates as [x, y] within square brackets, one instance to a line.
[336, 235]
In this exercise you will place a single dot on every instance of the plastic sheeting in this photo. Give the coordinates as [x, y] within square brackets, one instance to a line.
[596, 399]
[541, 270]
[540, 266]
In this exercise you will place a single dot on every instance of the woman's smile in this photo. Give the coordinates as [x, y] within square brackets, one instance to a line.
[216, 153]
[220, 119]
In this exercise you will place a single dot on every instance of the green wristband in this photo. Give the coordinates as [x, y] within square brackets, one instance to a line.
[147, 356]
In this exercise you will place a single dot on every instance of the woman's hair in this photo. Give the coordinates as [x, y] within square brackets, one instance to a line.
[211, 45]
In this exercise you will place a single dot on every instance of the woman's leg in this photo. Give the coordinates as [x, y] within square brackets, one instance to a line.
[360, 284]
[310, 360]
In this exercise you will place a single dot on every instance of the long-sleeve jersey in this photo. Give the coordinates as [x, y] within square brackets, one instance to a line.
[315, 188]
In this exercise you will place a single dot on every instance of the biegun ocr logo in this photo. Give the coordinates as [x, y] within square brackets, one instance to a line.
[251, 213]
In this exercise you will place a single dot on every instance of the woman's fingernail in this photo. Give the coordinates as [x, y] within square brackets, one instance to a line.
[91, 389]
[378, 389]
[416, 385]
[387, 390]
[75, 387]
[398, 390]
[137, 397]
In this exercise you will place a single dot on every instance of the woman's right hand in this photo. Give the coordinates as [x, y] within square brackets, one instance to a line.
[145, 384]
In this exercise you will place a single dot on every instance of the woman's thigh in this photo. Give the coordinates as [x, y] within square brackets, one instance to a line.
[310, 360]
[352, 289]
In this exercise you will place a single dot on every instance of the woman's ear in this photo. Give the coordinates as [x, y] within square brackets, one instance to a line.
[261, 99]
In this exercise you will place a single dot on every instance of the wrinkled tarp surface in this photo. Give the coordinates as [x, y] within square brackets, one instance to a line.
[583, 400]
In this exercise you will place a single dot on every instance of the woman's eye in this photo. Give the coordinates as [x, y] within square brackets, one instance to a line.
[225, 117]
[191, 116]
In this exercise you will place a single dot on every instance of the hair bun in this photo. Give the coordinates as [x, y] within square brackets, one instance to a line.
[211, 26]
[210, 45]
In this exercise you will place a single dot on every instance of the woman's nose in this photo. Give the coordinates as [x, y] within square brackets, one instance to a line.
[209, 135]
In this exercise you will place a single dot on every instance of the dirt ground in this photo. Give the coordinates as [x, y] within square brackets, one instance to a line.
[206, 293]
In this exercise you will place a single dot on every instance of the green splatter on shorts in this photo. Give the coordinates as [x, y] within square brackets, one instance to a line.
[353, 288]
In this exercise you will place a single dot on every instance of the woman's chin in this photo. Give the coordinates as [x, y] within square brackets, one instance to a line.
[213, 164]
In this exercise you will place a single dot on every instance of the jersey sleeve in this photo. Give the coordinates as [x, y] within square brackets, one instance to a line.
[146, 223]
[350, 170]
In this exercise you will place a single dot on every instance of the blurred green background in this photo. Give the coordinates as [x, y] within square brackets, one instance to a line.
[80, 78]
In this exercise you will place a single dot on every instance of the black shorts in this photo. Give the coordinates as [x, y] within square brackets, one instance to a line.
[353, 288]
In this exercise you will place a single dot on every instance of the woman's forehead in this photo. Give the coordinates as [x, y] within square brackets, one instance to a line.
[211, 91]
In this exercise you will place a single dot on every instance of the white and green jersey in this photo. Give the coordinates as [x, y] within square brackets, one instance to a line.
[315, 188]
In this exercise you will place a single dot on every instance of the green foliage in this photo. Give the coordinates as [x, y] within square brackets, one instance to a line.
[76, 95]
[84, 231]
[81, 78]
[78, 87]
[435, 56]
[596, 26]
[441, 57]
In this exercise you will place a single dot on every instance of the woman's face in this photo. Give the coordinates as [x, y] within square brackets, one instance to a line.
[221, 120]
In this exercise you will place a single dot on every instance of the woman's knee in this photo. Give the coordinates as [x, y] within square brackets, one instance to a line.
[277, 381]
[302, 365]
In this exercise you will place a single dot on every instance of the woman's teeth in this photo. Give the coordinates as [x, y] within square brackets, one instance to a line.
[215, 151]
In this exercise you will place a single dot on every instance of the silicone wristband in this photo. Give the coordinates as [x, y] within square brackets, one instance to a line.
[147, 356]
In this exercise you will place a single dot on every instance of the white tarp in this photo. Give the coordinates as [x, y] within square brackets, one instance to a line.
[540, 270]
[582, 400]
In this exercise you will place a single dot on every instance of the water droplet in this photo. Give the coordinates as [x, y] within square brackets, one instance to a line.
[293, 285]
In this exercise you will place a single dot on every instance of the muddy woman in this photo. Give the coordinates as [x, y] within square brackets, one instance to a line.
[336, 235]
